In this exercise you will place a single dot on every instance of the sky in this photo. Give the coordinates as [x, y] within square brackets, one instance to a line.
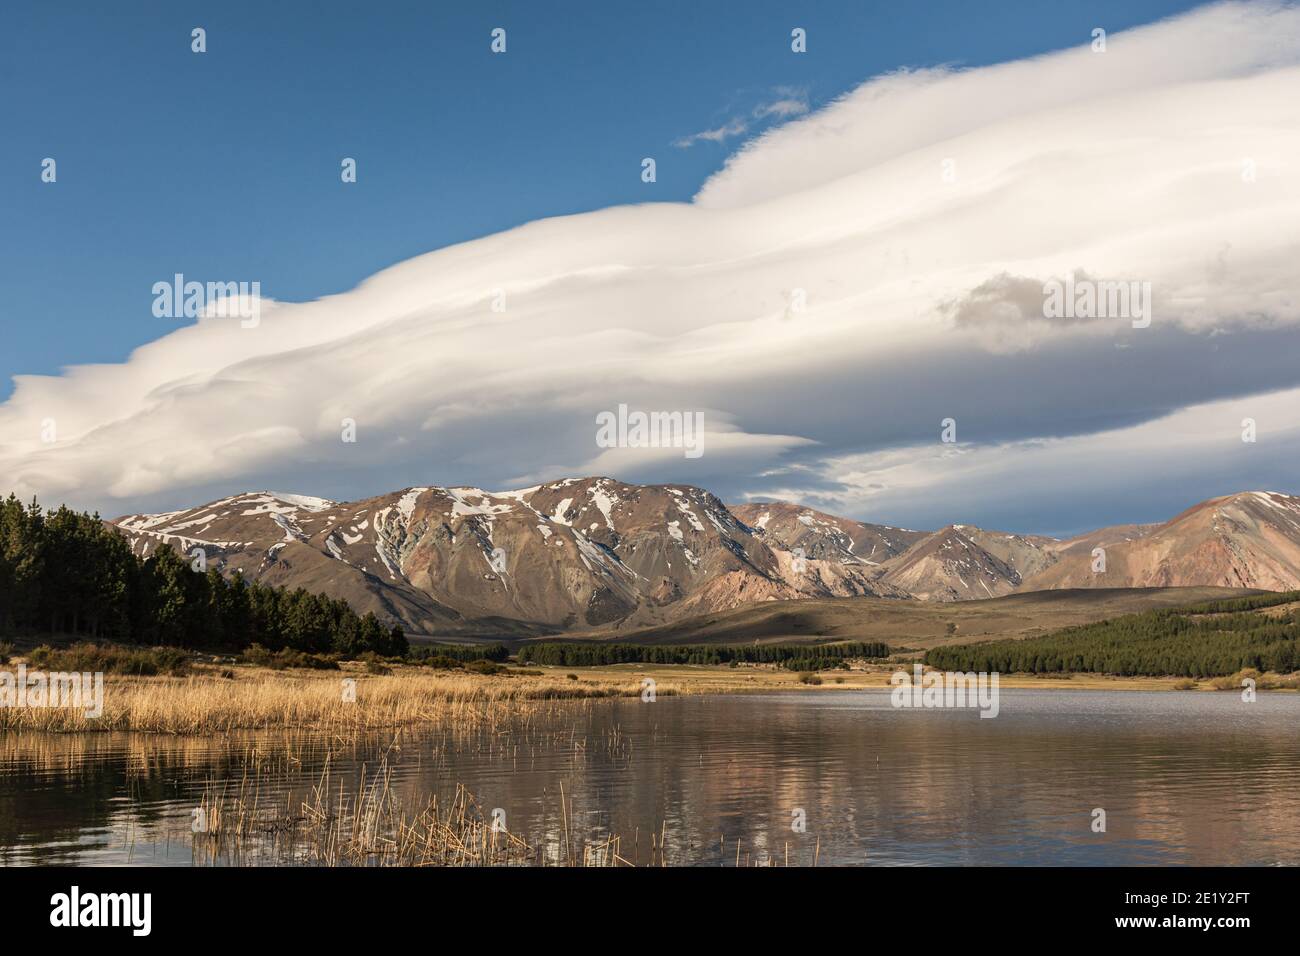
[841, 248]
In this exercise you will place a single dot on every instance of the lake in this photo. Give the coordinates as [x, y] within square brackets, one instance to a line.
[829, 777]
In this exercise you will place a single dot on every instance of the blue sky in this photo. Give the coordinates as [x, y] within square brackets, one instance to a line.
[226, 165]
[924, 293]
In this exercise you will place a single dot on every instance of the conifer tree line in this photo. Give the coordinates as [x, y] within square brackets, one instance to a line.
[802, 657]
[1208, 640]
[68, 573]
[497, 653]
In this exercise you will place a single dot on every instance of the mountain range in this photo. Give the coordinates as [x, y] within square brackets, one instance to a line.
[586, 554]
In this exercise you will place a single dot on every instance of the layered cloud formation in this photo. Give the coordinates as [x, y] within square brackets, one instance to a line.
[844, 284]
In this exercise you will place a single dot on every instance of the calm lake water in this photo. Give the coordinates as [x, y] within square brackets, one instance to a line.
[1184, 778]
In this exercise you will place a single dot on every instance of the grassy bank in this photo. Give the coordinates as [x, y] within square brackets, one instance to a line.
[152, 690]
[218, 699]
[203, 697]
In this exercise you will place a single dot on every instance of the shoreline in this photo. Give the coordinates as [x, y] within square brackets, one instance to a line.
[878, 678]
[216, 699]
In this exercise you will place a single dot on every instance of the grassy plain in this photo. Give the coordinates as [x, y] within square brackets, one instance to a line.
[919, 624]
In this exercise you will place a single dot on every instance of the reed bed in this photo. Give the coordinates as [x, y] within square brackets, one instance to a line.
[369, 826]
[257, 699]
[365, 821]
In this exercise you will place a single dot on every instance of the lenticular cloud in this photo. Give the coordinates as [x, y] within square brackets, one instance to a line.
[840, 286]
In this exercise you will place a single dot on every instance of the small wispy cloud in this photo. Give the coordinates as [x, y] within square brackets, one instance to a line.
[791, 103]
[788, 102]
[733, 127]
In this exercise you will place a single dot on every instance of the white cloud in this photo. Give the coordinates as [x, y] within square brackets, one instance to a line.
[729, 130]
[793, 104]
[790, 102]
[906, 111]
[1124, 165]
[948, 482]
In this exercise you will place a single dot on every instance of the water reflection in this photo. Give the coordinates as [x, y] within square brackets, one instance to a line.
[1194, 778]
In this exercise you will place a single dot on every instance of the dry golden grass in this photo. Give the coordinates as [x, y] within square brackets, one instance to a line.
[1262, 681]
[255, 699]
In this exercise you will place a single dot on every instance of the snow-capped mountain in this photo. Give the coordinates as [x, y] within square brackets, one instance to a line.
[586, 553]
[569, 554]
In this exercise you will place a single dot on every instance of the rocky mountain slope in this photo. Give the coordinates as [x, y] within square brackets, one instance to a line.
[599, 554]
[961, 563]
[571, 554]
[826, 537]
[1247, 540]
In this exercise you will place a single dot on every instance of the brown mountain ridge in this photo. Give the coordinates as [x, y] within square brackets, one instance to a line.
[596, 554]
